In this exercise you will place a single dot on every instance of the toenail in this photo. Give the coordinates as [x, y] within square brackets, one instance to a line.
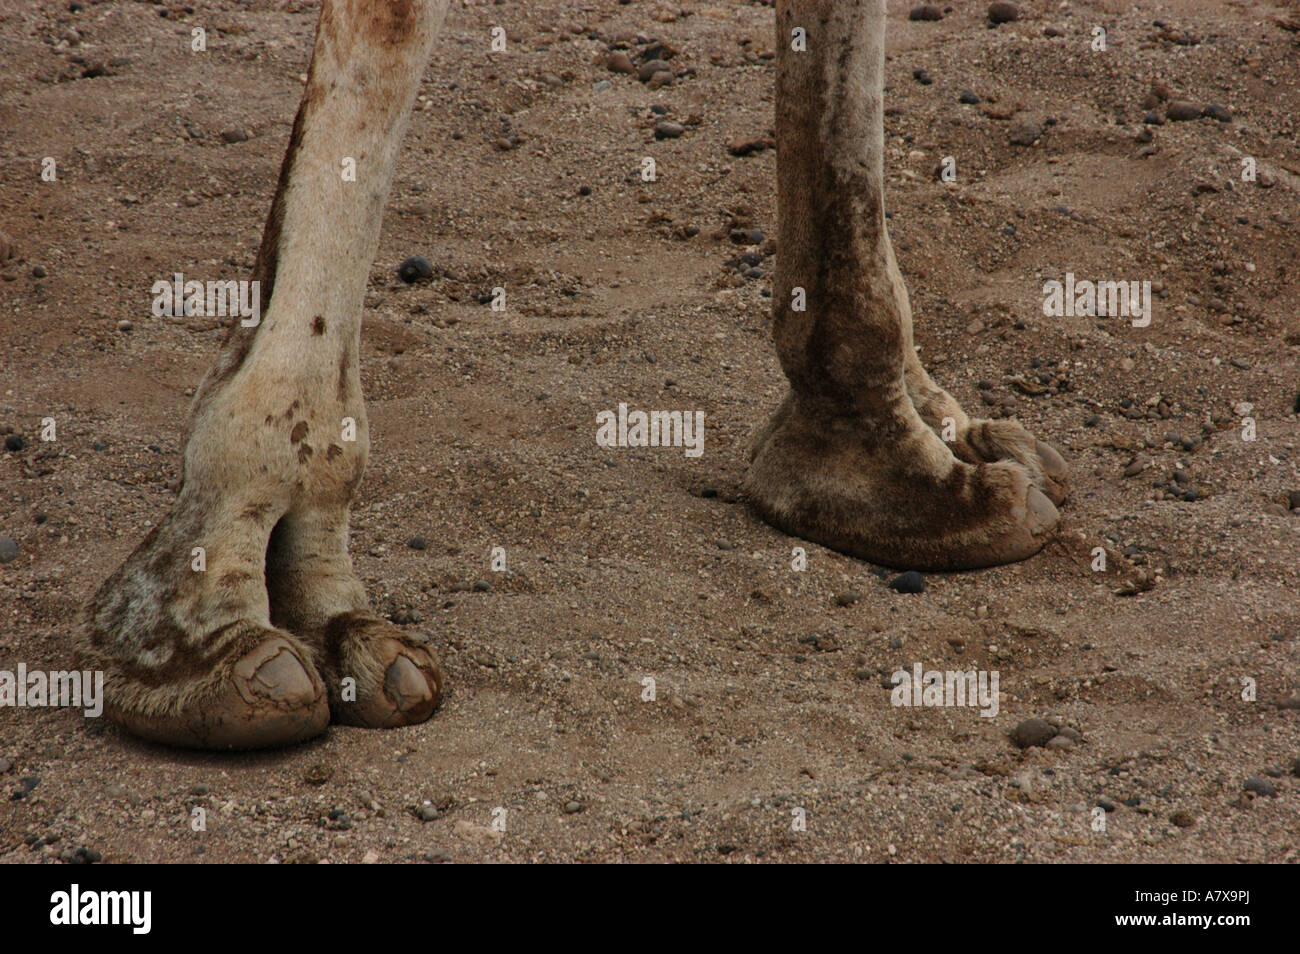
[1041, 514]
[406, 685]
[283, 679]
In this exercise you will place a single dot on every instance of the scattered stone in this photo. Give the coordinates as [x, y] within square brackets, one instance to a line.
[1183, 819]
[317, 774]
[926, 11]
[1293, 499]
[6, 765]
[8, 549]
[620, 62]
[1024, 134]
[1138, 464]
[15, 442]
[1032, 732]
[968, 98]
[1053, 31]
[415, 269]
[1106, 804]
[1181, 111]
[231, 136]
[648, 69]
[847, 598]
[479, 834]
[482, 586]
[667, 129]
[427, 812]
[746, 236]
[437, 856]
[747, 147]
[1215, 111]
[572, 807]
[1060, 743]
[1003, 12]
[417, 542]
[38, 271]
[909, 582]
[1260, 786]
[371, 857]
[922, 77]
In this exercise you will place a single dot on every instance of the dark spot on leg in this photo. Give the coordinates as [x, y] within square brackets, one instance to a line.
[334, 451]
[304, 453]
[298, 433]
[318, 325]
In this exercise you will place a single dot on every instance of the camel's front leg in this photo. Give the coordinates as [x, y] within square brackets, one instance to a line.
[847, 461]
[191, 647]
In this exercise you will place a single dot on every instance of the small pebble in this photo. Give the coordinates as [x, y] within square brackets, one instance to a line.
[1003, 12]
[417, 542]
[620, 62]
[8, 549]
[926, 11]
[1032, 732]
[15, 442]
[1181, 111]
[667, 129]
[1260, 786]
[415, 269]
[1215, 111]
[909, 582]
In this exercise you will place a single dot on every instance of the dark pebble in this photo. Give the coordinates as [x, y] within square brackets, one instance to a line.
[417, 542]
[1260, 786]
[922, 77]
[8, 549]
[1032, 732]
[909, 582]
[926, 11]
[967, 97]
[234, 135]
[15, 442]
[482, 586]
[1181, 111]
[1215, 111]
[1003, 12]
[415, 269]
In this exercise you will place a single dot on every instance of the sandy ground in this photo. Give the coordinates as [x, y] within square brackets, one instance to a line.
[771, 702]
